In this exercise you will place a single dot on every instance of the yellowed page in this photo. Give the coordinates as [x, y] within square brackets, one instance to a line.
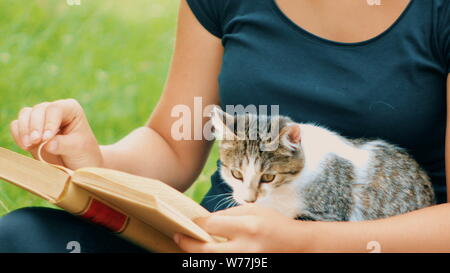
[78, 200]
[148, 207]
[34, 176]
[150, 187]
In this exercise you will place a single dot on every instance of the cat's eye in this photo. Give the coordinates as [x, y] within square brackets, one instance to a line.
[267, 178]
[237, 174]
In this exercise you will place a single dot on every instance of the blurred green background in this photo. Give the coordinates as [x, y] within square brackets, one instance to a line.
[110, 55]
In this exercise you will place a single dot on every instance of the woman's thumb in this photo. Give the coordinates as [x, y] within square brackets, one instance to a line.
[64, 145]
[75, 151]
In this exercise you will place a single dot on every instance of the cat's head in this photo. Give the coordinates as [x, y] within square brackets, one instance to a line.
[259, 154]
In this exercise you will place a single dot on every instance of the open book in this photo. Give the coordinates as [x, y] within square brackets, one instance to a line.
[145, 211]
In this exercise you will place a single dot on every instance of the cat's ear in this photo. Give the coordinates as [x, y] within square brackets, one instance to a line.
[223, 124]
[290, 137]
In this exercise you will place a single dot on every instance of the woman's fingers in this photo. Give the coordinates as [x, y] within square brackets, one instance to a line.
[53, 120]
[37, 121]
[227, 226]
[43, 121]
[188, 244]
[70, 110]
[249, 209]
[63, 124]
[24, 122]
[14, 128]
[217, 225]
[64, 144]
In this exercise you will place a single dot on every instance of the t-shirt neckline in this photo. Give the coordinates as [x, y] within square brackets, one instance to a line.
[305, 32]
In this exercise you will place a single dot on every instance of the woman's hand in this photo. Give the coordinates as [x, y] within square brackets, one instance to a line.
[72, 142]
[248, 228]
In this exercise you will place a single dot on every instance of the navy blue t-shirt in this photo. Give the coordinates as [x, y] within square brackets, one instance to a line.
[392, 86]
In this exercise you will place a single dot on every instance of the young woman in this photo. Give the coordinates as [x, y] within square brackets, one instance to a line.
[359, 68]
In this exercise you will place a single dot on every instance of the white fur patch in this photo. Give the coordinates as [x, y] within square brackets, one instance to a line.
[284, 199]
[318, 143]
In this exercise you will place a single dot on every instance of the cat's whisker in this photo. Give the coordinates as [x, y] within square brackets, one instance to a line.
[226, 200]
[227, 195]
[232, 203]
[217, 195]
[222, 202]
[218, 205]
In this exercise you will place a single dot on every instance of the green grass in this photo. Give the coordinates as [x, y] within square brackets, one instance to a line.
[110, 55]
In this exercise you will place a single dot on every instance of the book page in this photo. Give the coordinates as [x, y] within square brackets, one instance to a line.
[34, 176]
[152, 187]
[142, 202]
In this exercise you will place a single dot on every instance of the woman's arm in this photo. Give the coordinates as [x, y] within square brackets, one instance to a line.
[151, 150]
[256, 229]
[425, 230]
[251, 228]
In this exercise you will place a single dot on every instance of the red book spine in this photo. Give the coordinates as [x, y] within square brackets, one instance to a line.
[103, 215]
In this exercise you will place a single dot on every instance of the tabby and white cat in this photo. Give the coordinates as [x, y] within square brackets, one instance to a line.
[316, 174]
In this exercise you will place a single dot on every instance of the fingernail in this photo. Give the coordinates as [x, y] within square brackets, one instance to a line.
[176, 238]
[26, 141]
[35, 135]
[47, 134]
[52, 146]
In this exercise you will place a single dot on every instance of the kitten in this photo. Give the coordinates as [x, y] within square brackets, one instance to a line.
[315, 174]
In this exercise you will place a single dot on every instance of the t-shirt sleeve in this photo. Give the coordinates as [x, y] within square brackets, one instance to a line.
[210, 14]
[444, 32]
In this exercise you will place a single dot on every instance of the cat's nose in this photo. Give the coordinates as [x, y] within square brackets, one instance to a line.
[251, 198]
